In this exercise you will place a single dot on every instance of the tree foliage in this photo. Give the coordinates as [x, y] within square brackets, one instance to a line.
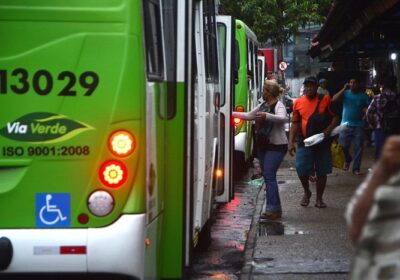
[277, 20]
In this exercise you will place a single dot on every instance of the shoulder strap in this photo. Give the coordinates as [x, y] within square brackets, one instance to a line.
[269, 109]
[263, 105]
[273, 108]
[320, 97]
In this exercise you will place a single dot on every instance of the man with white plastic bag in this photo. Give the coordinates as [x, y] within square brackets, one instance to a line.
[312, 115]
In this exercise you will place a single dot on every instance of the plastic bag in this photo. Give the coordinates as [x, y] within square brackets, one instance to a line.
[257, 169]
[313, 140]
[337, 155]
[256, 182]
[339, 129]
[318, 138]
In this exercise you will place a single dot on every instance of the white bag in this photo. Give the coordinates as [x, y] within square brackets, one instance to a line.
[318, 138]
[313, 140]
[339, 129]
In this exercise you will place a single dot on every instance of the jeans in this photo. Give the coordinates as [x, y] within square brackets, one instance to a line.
[346, 138]
[270, 161]
[380, 138]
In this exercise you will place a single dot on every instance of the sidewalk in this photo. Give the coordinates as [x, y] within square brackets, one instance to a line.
[308, 242]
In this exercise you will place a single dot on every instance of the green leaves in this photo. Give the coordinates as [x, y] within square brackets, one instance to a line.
[277, 20]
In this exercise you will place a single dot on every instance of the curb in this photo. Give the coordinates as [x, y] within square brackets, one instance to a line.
[250, 245]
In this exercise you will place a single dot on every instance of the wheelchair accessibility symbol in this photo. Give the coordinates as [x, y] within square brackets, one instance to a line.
[53, 209]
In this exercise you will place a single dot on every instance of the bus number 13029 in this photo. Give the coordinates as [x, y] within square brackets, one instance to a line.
[42, 82]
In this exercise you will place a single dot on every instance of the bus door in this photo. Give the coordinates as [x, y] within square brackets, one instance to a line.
[226, 44]
[156, 116]
[256, 78]
[251, 95]
[205, 117]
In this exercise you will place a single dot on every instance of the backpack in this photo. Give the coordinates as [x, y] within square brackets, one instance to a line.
[316, 123]
[263, 129]
[391, 116]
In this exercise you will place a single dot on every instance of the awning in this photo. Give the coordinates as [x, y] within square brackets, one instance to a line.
[361, 28]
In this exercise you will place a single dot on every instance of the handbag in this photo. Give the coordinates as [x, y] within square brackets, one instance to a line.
[263, 129]
[317, 122]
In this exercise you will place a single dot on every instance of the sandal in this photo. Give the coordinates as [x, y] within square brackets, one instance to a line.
[320, 204]
[305, 200]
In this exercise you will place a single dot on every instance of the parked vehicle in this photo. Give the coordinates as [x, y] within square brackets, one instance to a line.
[246, 93]
[109, 134]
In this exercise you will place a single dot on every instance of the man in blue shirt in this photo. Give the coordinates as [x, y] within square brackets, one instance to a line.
[355, 103]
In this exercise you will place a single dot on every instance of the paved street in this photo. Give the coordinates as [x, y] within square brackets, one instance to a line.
[225, 258]
[307, 243]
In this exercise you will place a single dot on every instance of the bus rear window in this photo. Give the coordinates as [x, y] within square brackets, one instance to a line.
[155, 65]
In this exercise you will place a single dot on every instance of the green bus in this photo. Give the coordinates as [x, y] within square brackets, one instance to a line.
[108, 135]
[241, 89]
[246, 91]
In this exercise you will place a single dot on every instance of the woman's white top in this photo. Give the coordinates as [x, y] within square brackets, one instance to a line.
[278, 134]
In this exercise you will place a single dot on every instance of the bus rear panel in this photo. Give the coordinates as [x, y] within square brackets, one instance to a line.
[72, 137]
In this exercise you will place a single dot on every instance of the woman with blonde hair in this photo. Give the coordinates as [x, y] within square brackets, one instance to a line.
[271, 142]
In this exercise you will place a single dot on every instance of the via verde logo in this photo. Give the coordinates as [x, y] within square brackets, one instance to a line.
[43, 128]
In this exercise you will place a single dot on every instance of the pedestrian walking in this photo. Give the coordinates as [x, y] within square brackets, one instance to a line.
[322, 89]
[312, 114]
[386, 102]
[355, 103]
[270, 117]
[373, 218]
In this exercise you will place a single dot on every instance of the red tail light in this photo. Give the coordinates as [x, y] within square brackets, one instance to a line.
[237, 121]
[113, 174]
[122, 143]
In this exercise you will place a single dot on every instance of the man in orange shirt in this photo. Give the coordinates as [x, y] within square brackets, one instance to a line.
[312, 115]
